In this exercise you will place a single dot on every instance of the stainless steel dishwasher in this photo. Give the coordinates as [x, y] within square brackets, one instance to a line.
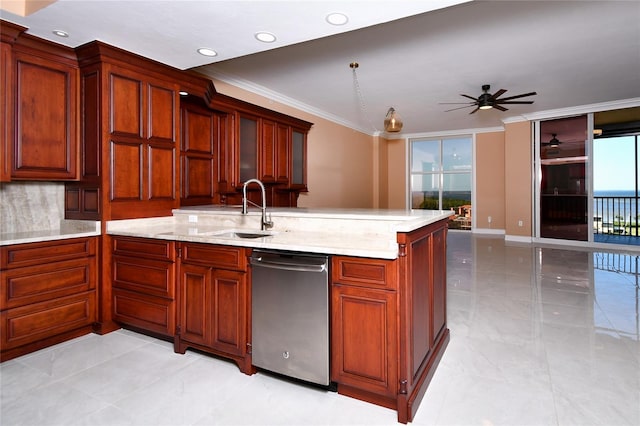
[290, 314]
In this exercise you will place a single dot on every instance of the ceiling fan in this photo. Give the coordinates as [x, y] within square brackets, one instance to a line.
[553, 143]
[487, 101]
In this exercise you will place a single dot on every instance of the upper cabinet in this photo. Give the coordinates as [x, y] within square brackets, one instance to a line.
[130, 129]
[40, 109]
[262, 144]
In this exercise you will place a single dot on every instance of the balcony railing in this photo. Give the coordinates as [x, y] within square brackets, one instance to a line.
[616, 215]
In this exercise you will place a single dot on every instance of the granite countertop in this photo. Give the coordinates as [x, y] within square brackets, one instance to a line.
[349, 232]
[68, 229]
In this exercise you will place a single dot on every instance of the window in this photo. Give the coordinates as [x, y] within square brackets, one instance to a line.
[441, 176]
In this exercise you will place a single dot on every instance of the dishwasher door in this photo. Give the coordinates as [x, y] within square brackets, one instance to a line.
[290, 314]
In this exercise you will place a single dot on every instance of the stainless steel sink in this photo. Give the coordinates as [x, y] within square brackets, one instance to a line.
[240, 233]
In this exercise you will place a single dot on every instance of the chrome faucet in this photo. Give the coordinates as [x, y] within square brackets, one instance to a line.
[264, 223]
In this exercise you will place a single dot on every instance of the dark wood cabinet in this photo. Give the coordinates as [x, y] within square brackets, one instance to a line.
[262, 144]
[388, 321]
[144, 285]
[130, 130]
[364, 327]
[202, 130]
[48, 294]
[214, 301]
[39, 107]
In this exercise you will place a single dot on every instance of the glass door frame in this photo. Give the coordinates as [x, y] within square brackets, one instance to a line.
[537, 182]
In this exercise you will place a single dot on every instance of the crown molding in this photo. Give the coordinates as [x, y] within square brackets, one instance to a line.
[278, 97]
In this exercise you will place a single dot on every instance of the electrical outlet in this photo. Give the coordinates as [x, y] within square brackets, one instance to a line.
[489, 219]
[193, 218]
[519, 223]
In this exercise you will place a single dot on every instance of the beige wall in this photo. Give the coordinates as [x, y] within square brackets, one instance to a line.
[340, 160]
[350, 169]
[518, 172]
[490, 181]
[396, 174]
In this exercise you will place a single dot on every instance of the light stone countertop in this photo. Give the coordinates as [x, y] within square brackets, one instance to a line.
[349, 232]
[68, 229]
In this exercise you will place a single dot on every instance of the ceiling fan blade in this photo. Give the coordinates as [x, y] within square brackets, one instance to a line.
[477, 108]
[514, 102]
[470, 97]
[453, 109]
[496, 106]
[498, 93]
[456, 103]
[518, 96]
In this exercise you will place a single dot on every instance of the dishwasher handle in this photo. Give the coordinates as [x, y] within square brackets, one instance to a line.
[290, 263]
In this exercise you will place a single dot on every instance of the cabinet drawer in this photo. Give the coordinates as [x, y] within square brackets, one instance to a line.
[144, 247]
[23, 286]
[37, 321]
[220, 257]
[152, 277]
[373, 273]
[149, 313]
[19, 255]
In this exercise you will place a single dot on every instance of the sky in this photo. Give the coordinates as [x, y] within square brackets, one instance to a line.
[614, 164]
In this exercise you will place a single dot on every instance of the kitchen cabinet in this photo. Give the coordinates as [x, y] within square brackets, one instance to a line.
[214, 301]
[130, 130]
[39, 107]
[202, 131]
[388, 321]
[48, 293]
[364, 326]
[262, 144]
[144, 289]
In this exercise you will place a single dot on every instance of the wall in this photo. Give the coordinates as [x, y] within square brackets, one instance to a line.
[490, 181]
[340, 160]
[396, 151]
[518, 172]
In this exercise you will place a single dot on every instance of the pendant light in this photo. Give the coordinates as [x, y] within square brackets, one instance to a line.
[392, 122]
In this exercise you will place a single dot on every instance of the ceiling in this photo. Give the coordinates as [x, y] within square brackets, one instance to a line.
[413, 55]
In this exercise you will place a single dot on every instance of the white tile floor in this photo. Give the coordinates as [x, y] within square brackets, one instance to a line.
[539, 336]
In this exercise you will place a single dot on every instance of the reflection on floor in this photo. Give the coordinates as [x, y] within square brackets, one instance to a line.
[539, 336]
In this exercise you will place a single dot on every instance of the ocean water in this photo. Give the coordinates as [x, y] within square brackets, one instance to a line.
[616, 204]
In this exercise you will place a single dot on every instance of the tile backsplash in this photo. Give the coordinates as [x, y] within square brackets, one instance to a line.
[31, 206]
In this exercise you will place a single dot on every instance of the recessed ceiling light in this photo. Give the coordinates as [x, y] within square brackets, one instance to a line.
[205, 51]
[60, 33]
[337, 18]
[183, 93]
[265, 37]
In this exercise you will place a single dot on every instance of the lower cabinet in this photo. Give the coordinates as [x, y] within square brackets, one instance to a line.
[388, 321]
[48, 294]
[364, 329]
[144, 288]
[214, 300]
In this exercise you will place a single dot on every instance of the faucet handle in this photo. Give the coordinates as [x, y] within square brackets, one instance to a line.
[267, 223]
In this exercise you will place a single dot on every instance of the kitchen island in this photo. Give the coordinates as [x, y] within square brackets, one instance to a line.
[187, 277]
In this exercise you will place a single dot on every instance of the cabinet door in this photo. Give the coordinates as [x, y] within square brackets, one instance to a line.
[283, 154]
[268, 151]
[195, 304]
[198, 159]
[364, 351]
[229, 312]
[46, 144]
[143, 159]
[298, 159]
[248, 139]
